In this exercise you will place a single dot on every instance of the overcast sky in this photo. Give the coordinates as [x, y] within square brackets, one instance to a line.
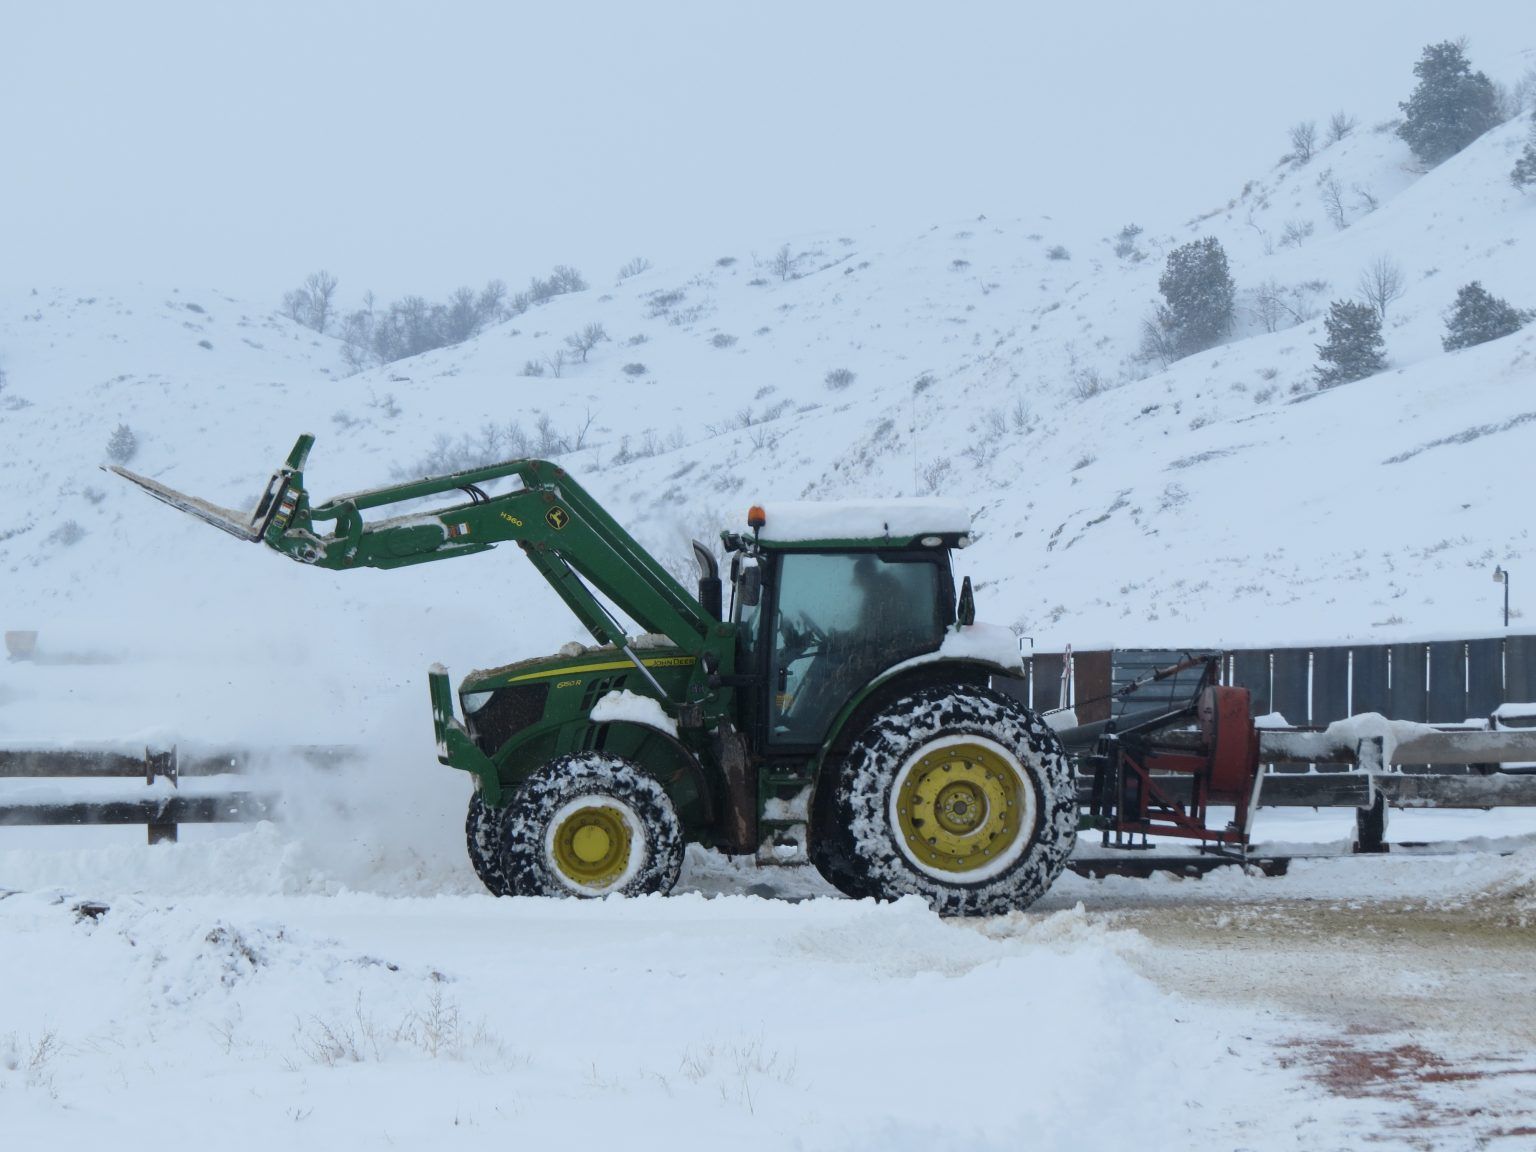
[409, 146]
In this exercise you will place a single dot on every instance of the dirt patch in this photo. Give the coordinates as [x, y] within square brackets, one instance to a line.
[1476, 1102]
[1427, 1008]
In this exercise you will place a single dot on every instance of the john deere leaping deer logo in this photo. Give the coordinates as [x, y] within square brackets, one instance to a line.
[557, 517]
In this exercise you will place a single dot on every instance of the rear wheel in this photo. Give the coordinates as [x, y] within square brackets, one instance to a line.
[956, 794]
[591, 825]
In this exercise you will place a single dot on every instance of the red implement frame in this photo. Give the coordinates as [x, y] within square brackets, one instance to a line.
[1211, 740]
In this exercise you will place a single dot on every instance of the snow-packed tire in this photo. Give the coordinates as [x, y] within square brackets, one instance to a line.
[482, 836]
[591, 824]
[956, 794]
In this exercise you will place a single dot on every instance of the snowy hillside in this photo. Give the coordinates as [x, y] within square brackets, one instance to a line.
[1218, 502]
[1221, 501]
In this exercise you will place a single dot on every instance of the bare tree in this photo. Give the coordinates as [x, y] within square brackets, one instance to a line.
[1381, 283]
[313, 303]
[1295, 233]
[1522, 96]
[1157, 343]
[1275, 306]
[1303, 141]
[357, 340]
[1331, 189]
[556, 362]
[461, 317]
[1267, 305]
[322, 296]
[1264, 236]
[565, 279]
[296, 305]
[585, 340]
[578, 439]
[492, 304]
[550, 442]
[636, 266]
[1340, 125]
[783, 263]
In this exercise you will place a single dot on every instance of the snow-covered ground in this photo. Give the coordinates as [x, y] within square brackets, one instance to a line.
[338, 978]
[235, 989]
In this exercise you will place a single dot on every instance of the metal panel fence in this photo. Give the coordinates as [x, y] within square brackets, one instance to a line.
[1436, 682]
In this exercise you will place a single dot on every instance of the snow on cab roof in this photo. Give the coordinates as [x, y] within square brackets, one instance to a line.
[793, 521]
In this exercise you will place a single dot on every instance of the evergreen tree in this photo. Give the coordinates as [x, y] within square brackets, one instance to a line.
[1525, 168]
[1354, 349]
[1200, 295]
[1478, 316]
[123, 445]
[1451, 106]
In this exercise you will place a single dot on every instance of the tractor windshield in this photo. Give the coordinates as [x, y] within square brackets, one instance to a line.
[840, 619]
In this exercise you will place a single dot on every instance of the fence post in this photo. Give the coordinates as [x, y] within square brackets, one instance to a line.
[1371, 823]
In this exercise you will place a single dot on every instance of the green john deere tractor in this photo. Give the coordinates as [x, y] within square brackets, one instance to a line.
[841, 712]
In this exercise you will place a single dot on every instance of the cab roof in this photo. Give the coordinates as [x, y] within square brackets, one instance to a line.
[867, 523]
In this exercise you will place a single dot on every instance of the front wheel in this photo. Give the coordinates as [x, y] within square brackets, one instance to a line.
[483, 837]
[591, 824]
[956, 794]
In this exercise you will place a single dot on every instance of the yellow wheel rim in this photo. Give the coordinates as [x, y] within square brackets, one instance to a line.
[591, 845]
[962, 808]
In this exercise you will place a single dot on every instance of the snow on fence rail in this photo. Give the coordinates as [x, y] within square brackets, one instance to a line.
[206, 787]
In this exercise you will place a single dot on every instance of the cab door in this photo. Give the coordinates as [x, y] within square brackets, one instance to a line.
[838, 620]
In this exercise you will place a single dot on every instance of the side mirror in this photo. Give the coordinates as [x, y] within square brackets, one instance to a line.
[965, 611]
[752, 586]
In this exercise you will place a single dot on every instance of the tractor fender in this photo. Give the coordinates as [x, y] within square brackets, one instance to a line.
[898, 681]
[667, 759]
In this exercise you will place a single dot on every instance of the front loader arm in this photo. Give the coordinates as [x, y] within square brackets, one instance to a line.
[570, 538]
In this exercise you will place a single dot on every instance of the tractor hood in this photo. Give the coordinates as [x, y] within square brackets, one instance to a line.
[579, 660]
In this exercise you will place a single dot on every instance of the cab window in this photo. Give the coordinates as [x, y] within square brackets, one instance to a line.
[840, 620]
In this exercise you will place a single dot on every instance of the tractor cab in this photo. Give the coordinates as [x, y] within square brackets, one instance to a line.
[827, 597]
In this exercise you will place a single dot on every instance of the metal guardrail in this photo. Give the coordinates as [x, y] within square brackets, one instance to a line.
[218, 799]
